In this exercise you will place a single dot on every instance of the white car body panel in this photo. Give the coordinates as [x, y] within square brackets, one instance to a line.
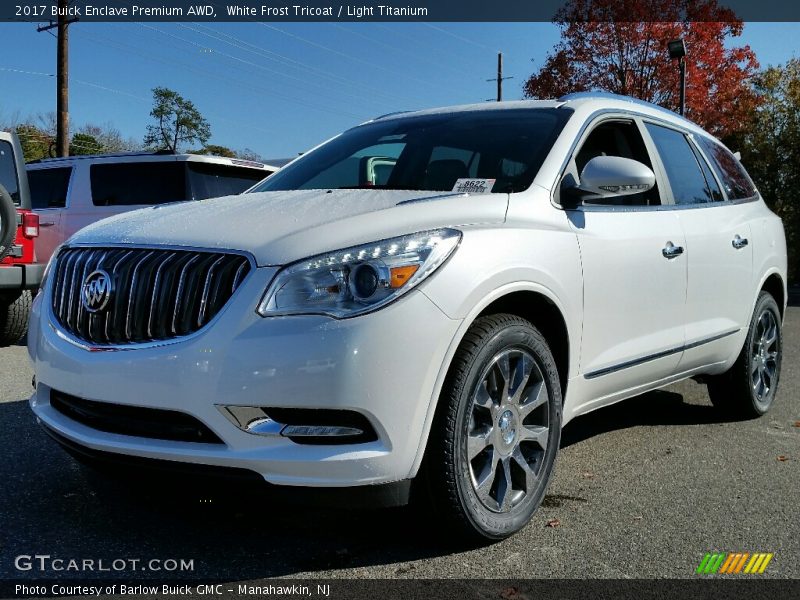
[635, 320]
[298, 224]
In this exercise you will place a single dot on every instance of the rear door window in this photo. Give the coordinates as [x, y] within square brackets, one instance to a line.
[685, 175]
[731, 172]
[8, 171]
[132, 184]
[208, 180]
[49, 187]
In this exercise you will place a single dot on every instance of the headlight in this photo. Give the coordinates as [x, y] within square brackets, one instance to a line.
[353, 281]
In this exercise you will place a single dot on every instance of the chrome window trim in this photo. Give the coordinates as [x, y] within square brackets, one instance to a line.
[82, 344]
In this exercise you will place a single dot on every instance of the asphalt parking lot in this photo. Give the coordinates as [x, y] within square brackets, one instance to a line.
[642, 489]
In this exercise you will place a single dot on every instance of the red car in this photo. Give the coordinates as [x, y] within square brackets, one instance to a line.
[20, 273]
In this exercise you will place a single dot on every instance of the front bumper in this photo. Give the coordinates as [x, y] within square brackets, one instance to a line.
[21, 277]
[384, 365]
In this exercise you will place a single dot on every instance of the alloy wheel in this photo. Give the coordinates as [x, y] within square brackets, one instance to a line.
[764, 354]
[508, 430]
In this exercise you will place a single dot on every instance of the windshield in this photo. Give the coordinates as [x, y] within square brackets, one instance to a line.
[430, 152]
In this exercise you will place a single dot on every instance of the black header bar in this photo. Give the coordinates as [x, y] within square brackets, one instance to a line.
[366, 10]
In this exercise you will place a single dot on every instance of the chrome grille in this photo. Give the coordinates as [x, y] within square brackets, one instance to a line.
[158, 294]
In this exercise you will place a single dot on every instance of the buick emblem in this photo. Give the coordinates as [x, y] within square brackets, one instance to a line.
[96, 291]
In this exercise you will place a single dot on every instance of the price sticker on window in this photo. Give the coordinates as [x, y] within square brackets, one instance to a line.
[474, 186]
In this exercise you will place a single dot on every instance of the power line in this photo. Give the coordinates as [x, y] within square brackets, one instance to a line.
[285, 60]
[424, 59]
[351, 57]
[393, 97]
[133, 50]
[305, 82]
[78, 81]
[456, 36]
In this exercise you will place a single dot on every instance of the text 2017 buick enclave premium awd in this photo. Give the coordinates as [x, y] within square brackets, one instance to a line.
[428, 297]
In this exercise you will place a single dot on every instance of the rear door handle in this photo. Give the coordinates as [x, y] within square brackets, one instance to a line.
[671, 250]
[46, 224]
[739, 242]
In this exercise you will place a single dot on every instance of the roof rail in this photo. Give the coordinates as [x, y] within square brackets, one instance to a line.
[610, 96]
[391, 114]
[109, 155]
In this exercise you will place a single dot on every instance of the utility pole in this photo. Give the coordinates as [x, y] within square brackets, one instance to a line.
[499, 79]
[62, 76]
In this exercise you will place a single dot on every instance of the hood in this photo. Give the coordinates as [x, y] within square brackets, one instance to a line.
[282, 227]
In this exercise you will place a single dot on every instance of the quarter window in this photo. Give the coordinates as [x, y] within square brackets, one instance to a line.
[210, 180]
[49, 187]
[685, 175]
[730, 170]
[131, 184]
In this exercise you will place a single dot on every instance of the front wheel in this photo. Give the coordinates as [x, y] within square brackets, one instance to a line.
[15, 310]
[748, 389]
[497, 429]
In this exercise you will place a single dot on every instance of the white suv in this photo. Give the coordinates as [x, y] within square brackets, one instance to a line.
[427, 297]
[71, 193]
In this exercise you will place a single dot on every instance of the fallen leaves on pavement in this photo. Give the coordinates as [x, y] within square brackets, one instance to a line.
[553, 523]
[511, 593]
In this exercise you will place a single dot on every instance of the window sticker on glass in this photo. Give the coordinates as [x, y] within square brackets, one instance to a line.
[474, 186]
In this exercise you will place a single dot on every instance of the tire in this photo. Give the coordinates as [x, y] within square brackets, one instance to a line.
[15, 310]
[8, 222]
[510, 436]
[747, 390]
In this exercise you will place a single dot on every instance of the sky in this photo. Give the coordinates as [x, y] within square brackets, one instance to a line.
[280, 89]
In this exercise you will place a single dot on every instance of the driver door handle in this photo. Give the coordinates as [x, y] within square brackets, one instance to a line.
[671, 250]
[739, 242]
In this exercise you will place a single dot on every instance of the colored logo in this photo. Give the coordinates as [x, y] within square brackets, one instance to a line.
[719, 563]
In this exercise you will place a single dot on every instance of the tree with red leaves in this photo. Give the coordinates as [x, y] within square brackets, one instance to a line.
[620, 46]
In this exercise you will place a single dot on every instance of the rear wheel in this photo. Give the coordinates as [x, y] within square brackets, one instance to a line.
[748, 389]
[15, 310]
[497, 430]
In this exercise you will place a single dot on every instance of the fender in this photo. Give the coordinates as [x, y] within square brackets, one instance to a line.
[491, 296]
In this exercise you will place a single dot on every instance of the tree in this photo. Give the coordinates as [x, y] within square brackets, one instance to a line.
[110, 138]
[770, 148]
[215, 150]
[248, 154]
[177, 122]
[36, 144]
[615, 46]
[83, 144]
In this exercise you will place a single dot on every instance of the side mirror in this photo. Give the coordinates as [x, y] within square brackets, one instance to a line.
[606, 177]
